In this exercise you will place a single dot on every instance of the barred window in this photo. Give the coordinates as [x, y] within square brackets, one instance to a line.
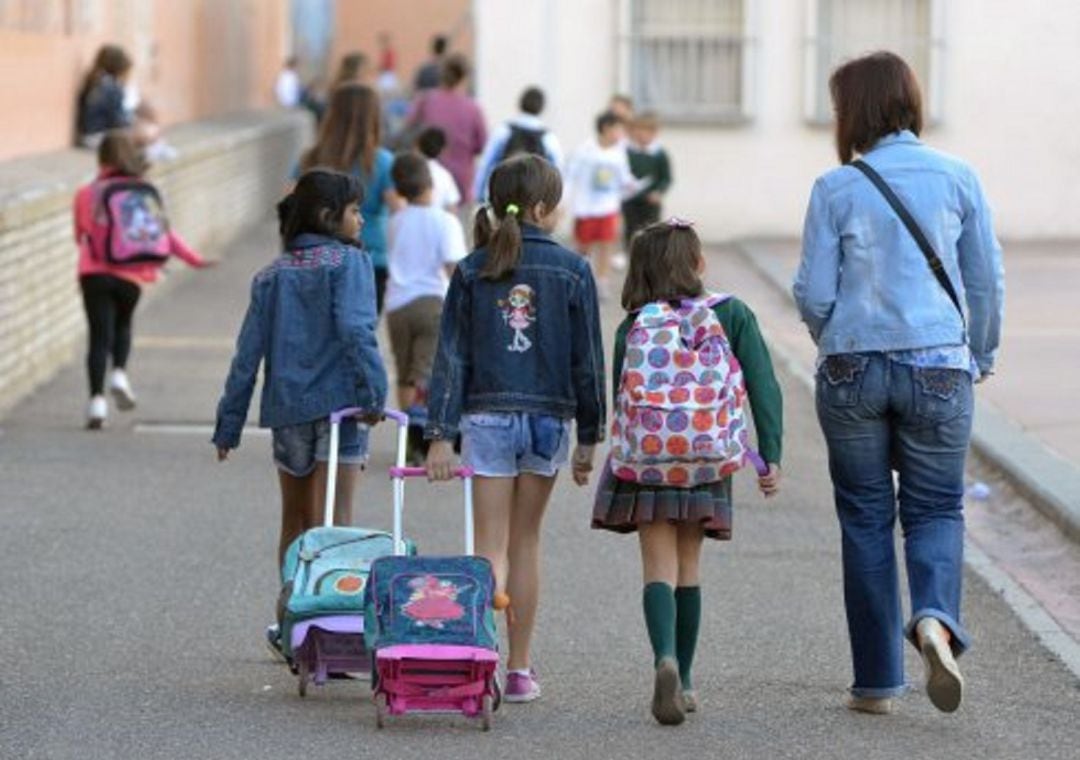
[844, 29]
[687, 59]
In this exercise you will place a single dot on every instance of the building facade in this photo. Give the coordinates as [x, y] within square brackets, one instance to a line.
[741, 86]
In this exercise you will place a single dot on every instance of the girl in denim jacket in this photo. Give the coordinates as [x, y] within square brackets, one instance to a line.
[311, 323]
[519, 357]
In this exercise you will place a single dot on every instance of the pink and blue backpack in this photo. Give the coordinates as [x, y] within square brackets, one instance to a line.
[130, 224]
[679, 417]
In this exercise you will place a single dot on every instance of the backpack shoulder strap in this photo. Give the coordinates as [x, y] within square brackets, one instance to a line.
[913, 227]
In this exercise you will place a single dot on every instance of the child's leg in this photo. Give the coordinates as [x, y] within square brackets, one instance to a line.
[297, 504]
[126, 299]
[345, 488]
[531, 497]
[602, 259]
[660, 568]
[688, 598]
[100, 318]
[492, 504]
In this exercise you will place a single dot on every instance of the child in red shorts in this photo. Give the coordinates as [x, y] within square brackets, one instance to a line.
[599, 178]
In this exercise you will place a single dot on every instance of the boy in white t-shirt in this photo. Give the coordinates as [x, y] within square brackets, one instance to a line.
[426, 242]
[599, 177]
[445, 193]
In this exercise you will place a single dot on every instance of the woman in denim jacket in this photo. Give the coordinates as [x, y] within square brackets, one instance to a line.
[519, 357]
[897, 360]
[311, 323]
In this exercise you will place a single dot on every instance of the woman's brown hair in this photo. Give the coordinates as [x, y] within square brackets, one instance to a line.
[516, 186]
[873, 96]
[110, 59]
[454, 70]
[119, 152]
[665, 259]
[350, 131]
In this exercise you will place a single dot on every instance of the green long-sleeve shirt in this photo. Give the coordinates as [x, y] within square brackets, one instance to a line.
[766, 402]
[650, 163]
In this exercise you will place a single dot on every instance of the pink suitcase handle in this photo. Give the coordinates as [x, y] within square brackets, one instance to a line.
[354, 411]
[420, 472]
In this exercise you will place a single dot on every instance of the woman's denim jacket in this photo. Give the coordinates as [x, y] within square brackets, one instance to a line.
[311, 321]
[529, 342]
[864, 285]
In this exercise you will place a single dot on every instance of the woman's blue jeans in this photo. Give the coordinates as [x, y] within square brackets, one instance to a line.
[879, 415]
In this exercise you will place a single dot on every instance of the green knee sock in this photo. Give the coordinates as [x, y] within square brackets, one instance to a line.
[687, 623]
[658, 599]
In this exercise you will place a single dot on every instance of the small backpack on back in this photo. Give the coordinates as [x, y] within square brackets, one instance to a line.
[522, 141]
[679, 418]
[130, 225]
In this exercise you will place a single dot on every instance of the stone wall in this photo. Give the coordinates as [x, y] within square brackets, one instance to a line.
[229, 174]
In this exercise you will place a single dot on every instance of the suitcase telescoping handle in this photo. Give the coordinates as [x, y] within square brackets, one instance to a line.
[399, 474]
[402, 421]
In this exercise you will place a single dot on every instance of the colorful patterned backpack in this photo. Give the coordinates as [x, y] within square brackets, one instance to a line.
[679, 418]
[130, 224]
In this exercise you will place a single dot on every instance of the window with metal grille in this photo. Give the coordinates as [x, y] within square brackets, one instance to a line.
[840, 30]
[687, 59]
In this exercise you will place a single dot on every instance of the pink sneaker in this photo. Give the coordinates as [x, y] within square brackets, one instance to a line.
[521, 686]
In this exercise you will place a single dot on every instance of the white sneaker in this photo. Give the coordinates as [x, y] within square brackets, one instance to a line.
[121, 390]
[944, 684]
[96, 412]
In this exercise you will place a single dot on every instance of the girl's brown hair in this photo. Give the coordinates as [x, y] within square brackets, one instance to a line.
[516, 186]
[665, 258]
[873, 96]
[454, 70]
[118, 151]
[350, 131]
[110, 59]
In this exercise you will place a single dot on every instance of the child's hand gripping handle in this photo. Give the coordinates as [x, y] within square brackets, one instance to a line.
[399, 474]
[371, 418]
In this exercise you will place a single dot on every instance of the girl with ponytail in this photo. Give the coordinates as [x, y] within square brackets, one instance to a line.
[519, 359]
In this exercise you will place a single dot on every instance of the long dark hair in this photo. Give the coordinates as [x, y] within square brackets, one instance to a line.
[515, 187]
[110, 59]
[664, 261]
[873, 96]
[318, 204]
[350, 131]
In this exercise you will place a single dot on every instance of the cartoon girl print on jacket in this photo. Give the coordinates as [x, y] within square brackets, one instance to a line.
[519, 311]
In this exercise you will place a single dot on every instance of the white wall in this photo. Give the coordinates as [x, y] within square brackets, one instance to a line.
[1010, 107]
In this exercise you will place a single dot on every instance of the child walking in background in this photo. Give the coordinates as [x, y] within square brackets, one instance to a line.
[311, 323]
[444, 191]
[122, 246]
[427, 242]
[599, 177]
[648, 159]
[520, 356]
[683, 362]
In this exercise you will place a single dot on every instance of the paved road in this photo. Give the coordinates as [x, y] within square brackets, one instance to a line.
[139, 575]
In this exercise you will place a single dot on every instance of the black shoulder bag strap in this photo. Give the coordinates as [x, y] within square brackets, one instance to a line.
[916, 232]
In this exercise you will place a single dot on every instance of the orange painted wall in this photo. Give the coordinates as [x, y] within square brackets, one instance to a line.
[193, 59]
[411, 23]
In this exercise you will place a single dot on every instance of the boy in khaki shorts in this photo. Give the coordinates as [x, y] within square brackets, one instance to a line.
[426, 242]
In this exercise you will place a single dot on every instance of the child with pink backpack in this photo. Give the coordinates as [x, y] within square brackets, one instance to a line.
[124, 239]
[685, 360]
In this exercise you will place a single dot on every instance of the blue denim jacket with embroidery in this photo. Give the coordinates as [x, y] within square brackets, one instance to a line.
[311, 323]
[530, 342]
[864, 285]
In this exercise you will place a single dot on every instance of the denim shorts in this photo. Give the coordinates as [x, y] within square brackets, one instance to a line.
[506, 444]
[297, 448]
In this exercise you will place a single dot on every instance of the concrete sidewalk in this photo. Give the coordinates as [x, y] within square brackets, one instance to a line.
[1028, 416]
[142, 575]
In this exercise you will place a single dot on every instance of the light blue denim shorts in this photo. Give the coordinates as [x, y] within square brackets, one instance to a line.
[297, 448]
[506, 444]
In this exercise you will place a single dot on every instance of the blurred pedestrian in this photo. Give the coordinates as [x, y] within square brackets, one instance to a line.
[348, 141]
[101, 97]
[599, 178]
[287, 88]
[387, 80]
[524, 133]
[901, 285]
[124, 239]
[452, 109]
[444, 192]
[429, 74]
[648, 159]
